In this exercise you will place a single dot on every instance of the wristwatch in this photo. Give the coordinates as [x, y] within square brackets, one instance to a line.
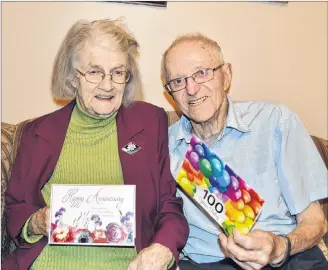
[287, 253]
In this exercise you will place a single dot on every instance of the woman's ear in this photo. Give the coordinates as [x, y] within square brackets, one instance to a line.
[73, 82]
[227, 71]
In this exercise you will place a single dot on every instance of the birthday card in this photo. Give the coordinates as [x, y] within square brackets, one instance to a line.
[218, 190]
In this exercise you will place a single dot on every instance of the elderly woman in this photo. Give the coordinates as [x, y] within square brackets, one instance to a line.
[82, 144]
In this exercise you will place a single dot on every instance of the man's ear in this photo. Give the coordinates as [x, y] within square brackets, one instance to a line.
[227, 71]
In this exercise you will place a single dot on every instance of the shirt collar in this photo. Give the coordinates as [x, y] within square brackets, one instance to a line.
[234, 121]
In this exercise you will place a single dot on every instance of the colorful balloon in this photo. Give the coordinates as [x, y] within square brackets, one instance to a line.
[224, 197]
[190, 177]
[224, 224]
[228, 226]
[261, 200]
[194, 160]
[213, 181]
[245, 196]
[182, 173]
[256, 206]
[248, 211]
[194, 187]
[254, 195]
[235, 215]
[218, 194]
[239, 205]
[208, 153]
[228, 205]
[224, 179]
[232, 194]
[205, 167]
[187, 166]
[234, 182]
[249, 222]
[187, 186]
[203, 184]
[199, 150]
[227, 222]
[221, 189]
[194, 140]
[229, 229]
[242, 227]
[217, 166]
[207, 181]
[243, 184]
[189, 150]
[199, 175]
[198, 182]
[212, 189]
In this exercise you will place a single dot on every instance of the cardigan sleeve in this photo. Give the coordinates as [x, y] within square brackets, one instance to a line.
[20, 203]
[171, 227]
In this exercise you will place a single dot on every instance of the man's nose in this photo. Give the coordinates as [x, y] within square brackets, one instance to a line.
[191, 86]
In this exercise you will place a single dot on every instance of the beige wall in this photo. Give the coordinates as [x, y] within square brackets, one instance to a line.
[277, 52]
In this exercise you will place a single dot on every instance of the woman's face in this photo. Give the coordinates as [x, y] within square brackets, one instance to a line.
[103, 98]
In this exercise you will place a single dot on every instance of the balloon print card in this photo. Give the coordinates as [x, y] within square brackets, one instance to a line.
[223, 195]
[92, 215]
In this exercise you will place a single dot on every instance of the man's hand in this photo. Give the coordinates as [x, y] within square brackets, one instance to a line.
[154, 257]
[39, 222]
[255, 250]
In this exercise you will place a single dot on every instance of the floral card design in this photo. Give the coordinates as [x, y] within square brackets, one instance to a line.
[92, 215]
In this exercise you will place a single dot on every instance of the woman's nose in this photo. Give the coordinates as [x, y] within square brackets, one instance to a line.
[106, 84]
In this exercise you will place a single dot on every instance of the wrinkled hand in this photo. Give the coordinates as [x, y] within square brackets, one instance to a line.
[154, 257]
[255, 250]
[39, 222]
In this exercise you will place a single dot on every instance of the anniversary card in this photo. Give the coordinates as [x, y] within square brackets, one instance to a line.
[92, 215]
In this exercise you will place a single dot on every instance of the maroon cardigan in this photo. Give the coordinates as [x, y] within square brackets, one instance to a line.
[159, 217]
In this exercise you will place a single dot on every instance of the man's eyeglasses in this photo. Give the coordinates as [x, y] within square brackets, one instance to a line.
[200, 76]
[97, 76]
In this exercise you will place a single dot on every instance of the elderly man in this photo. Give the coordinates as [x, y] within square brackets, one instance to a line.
[266, 144]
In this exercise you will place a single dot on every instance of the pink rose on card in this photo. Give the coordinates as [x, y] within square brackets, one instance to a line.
[62, 234]
[115, 233]
[99, 236]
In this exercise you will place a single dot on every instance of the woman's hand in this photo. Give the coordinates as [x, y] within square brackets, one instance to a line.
[39, 222]
[154, 257]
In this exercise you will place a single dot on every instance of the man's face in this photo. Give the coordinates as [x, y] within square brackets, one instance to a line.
[199, 102]
[103, 98]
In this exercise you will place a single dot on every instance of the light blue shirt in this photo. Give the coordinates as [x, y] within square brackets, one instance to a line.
[269, 147]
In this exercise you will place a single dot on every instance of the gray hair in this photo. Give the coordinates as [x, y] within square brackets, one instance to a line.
[64, 83]
[193, 37]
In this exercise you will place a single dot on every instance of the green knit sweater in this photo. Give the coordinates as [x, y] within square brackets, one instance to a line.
[89, 156]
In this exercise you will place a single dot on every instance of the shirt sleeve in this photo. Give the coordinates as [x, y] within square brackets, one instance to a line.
[302, 174]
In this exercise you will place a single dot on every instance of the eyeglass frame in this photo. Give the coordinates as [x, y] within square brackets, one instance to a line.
[167, 87]
[104, 75]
